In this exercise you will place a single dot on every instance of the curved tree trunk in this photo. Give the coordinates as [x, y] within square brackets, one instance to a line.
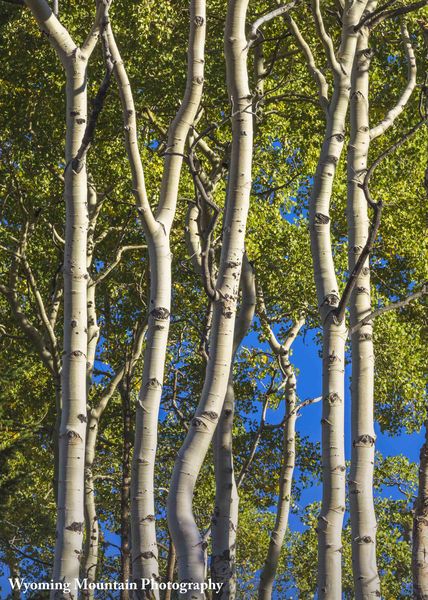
[157, 229]
[420, 528]
[184, 531]
[225, 518]
[267, 577]
[334, 333]
[125, 490]
[73, 416]
[72, 432]
[363, 518]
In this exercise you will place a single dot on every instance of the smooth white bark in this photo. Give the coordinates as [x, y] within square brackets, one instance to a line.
[157, 228]
[363, 518]
[334, 333]
[420, 528]
[184, 531]
[225, 518]
[267, 577]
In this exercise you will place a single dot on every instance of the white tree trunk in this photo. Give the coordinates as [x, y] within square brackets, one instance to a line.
[420, 528]
[157, 229]
[334, 333]
[225, 519]
[363, 518]
[267, 577]
[143, 530]
[73, 416]
[72, 433]
[184, 531]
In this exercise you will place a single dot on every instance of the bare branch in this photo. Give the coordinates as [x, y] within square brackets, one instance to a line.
[254, 31]
[378, 17]
[393, 306]
[407, 92]
[116, 261]
[130, 126]
[77, 162]
[326, 40]
[316, 73]
[339, 312]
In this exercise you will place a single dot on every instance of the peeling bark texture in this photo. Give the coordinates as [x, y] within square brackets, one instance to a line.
[184, 531]
[157, 229]
[334, 334]
[225, 518]
[363, 518]
[420, 528]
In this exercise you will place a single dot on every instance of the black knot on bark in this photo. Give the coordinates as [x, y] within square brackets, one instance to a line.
[321, 219]
[364, 539]
[82, 418]
[330, 300]
[333, 358]
[198, 79]
[160, 313]
[364, 440]
[199, 423]
[339, 137]
[210, 414]
[365, 271]
[365, 337]
[148, 554]
[77, 527]
[73, 436]
[333, 398]
[198, 21]
[153, 383]
[149, 519]
[360, 289]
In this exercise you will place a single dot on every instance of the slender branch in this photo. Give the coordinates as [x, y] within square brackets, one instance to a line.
[77, 162]
[256, 441]
[130, 126]
[97, 29]
[326, 40]
[118, 376]
[379, 17]
[254, 30]
[316, 73]
[374, 13]
[393, 306]
[339, 312]
[116, 261]
[407, 92]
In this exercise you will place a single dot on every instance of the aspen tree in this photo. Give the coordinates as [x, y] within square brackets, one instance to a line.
[420, 529]
[225, 518]
[363, 518]
[72, 434]
[157, 229]
[330, 308]
[282, 351]
[184, 531]
[420, 521]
